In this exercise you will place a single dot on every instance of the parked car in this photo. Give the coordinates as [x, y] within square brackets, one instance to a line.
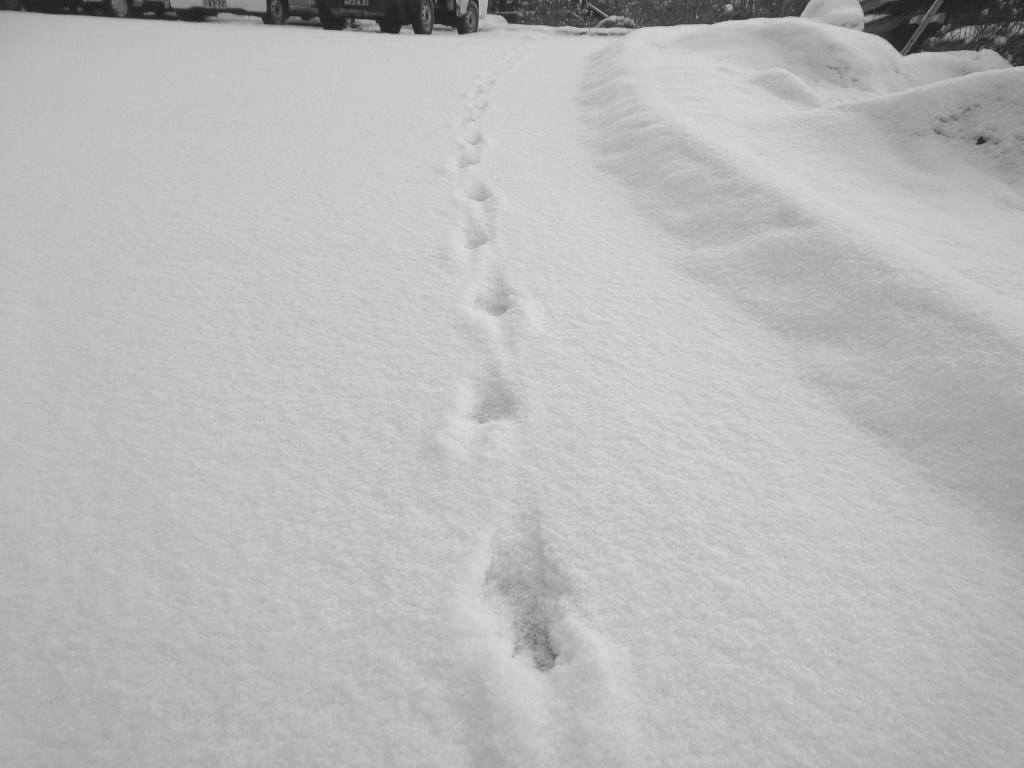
[123, 8]
[392, 15]
[271, 11]
[116, 8]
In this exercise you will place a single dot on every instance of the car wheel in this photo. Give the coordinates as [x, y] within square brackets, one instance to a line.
[277, 12]
[469, 23]
[191, 14]
[119, 9]
[423, 17]
[390, 26]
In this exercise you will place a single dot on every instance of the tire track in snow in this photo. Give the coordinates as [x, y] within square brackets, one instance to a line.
[519, 585]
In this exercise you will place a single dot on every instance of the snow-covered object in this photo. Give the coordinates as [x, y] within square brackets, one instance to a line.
[624, 22]
[508, 400]
[839, 13]
[492, 21]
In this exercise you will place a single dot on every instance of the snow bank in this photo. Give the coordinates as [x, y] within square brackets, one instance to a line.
[492, 21]
[868, 210]
[863, 204]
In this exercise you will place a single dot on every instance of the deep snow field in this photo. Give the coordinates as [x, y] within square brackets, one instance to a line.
[513, 399]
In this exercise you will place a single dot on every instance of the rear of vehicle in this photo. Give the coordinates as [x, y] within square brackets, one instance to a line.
[271, 11]
[392, 15]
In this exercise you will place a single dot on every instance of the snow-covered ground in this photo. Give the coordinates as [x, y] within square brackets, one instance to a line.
[512, 399]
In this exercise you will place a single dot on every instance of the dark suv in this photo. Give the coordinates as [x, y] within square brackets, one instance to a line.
[391, 15]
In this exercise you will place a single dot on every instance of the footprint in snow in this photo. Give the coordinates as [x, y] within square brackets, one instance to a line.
[479, 192]
[470, 155]
[517, 588]
[495, 299]
[477, 235]
[494, 401]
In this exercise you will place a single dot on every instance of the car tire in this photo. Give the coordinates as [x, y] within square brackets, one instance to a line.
[423, 17]
[191, 14]
[469, 23]
[119, 9]
[277, 13]
[330, 23]
[389, 26]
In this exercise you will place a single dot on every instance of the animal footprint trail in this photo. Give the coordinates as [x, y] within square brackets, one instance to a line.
[518, 587]
[487, 295]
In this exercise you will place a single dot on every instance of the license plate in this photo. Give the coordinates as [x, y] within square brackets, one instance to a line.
[357, 2]
[215, 4]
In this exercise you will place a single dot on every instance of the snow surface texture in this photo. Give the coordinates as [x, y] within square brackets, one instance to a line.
[512, 399]
[841, 13]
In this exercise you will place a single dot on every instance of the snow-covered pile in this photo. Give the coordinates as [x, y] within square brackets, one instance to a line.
[840, 13]
[861, 203]
[512, 399]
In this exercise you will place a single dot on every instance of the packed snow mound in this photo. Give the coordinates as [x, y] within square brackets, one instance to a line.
[624, 22]
[836, 65]
[839, 13]
[981, 119]
[492, 21]
[900, 275]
